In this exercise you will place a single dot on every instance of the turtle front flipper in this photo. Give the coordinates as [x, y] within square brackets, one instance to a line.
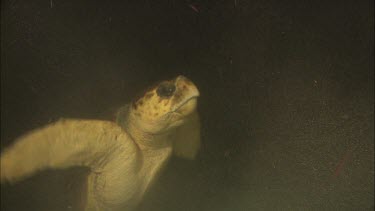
[60, 145]
[187, 140]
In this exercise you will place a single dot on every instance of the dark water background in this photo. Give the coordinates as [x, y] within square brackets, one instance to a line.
[287, 95]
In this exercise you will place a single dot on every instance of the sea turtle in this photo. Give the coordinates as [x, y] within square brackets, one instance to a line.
[124, 157]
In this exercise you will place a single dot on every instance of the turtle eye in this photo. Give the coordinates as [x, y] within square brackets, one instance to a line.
[166, 89]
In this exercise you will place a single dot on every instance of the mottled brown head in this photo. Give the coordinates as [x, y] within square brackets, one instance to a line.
[165, 105]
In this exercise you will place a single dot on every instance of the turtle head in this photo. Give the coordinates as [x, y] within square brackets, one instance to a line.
[164, 106]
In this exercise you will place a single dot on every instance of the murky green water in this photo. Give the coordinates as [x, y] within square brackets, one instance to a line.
[287, 95]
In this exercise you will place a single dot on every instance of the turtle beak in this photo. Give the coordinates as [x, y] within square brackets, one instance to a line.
[184, 83]
[185, 97]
